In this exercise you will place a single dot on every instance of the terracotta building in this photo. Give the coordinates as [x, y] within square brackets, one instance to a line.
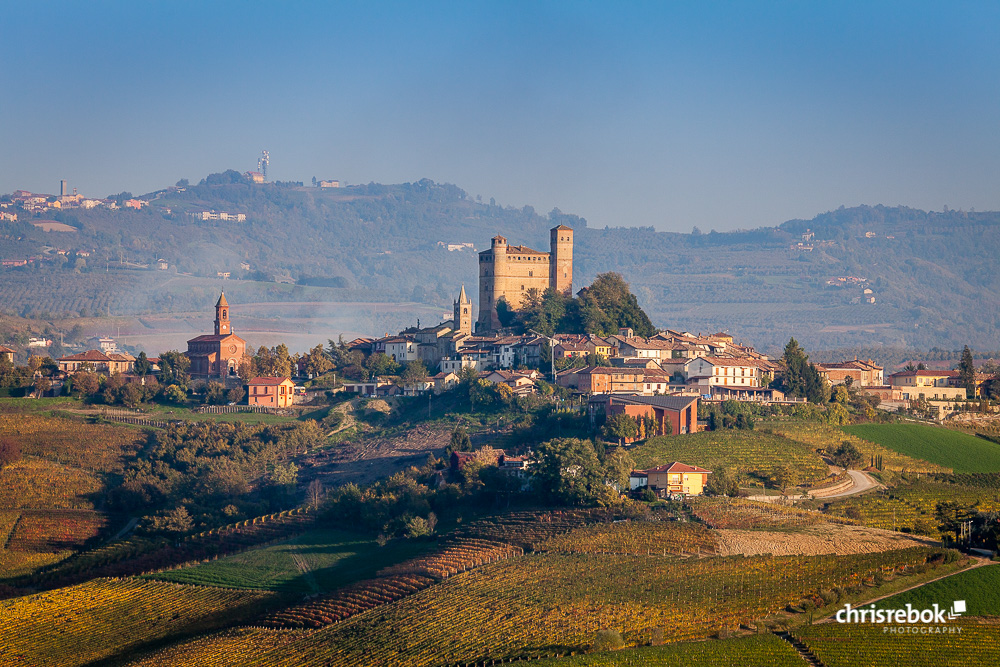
[270, 392]
[509, 271]
[217, 355]
[672, 415]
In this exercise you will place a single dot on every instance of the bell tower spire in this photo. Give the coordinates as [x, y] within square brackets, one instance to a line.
[222, 325]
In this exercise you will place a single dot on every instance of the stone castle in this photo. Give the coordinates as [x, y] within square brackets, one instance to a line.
[508, 271]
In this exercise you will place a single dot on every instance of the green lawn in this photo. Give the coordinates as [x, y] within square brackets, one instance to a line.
[962, 452]
[749, 453]
[980, 588]
[320, 560]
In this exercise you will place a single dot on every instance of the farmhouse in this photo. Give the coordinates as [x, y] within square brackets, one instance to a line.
[6, 353]
[97, 361]
[671, 478]
[270, 392]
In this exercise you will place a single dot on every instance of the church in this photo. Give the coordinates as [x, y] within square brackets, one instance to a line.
[217, 355]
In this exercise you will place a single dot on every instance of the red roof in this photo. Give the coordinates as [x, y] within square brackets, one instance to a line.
[926, 373]
[89, 355]
[267, 381]
[212, 338]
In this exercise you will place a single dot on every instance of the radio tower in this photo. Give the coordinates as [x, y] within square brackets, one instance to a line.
[262, 163]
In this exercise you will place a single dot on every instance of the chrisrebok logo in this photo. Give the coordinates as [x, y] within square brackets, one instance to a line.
[891, 618]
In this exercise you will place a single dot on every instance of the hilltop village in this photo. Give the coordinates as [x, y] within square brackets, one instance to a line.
[244, 504]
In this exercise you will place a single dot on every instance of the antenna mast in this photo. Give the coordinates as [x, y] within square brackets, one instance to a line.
[265, 159]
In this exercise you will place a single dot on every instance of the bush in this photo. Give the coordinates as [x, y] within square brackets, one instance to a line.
[10, 451]
[607, 639]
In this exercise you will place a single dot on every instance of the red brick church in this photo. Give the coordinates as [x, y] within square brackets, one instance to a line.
[217, 355]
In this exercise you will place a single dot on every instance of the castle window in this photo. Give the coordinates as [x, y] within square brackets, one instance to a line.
[531, 273]
[522, 288]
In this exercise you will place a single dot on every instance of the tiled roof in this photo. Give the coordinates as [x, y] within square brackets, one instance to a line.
[267, 381]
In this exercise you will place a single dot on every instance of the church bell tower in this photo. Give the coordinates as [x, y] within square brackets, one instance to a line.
[222, 326]
[463, 313]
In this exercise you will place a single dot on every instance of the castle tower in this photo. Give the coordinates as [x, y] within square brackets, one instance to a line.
[463, 313]
[492, 274]
[222, 326]
[561, 259]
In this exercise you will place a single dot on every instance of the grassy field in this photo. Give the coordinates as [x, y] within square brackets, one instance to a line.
[962, 452]
[753, 651]
[751, 454]
[317, 561]
[980, 588]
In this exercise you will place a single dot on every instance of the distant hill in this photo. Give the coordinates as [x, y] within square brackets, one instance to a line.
[933, 276]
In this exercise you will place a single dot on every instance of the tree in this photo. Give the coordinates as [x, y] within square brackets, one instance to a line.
[42, 385]
[952, 514]
[414, 372]
[785, 478]
[621, 427]
[174, 367]
[618, 466]
[460, 441]
[215, 393]
[801, 377]
[567, 470]
[721, 483]
[318, 361]
[235, 395]
[967, 373]
[847, 455]
[142, 365]
[131, 395]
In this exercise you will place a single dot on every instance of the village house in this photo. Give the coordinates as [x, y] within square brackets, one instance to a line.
[927, 384]
[708, 372]
[520, 382]
[672, 478]
[7, 353]
[862, 373]
[98, 361]
[270, 392]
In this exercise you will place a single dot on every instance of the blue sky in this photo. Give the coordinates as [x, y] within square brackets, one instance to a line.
[721, 115]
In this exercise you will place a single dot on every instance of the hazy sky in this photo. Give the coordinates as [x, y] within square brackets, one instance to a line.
[720, 115]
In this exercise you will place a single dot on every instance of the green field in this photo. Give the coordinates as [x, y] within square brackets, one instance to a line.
[753, 651]
[962, 452]
[754, 454]
[317, 561]
[980, 588]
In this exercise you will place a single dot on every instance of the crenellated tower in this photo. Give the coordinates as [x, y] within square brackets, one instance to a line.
[561, 259]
